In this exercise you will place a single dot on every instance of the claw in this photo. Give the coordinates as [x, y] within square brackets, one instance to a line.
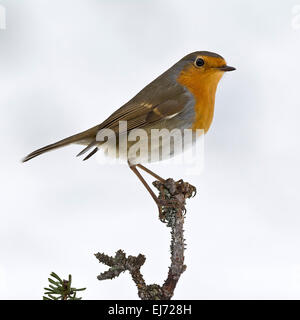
[173, 195]
[194, 192]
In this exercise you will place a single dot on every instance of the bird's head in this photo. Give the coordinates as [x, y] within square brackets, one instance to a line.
[202, 68]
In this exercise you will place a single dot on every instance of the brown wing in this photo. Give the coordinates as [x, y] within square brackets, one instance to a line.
[154, 103]
[162, 97]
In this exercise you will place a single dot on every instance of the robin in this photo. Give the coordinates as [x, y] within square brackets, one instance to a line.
[183, 97]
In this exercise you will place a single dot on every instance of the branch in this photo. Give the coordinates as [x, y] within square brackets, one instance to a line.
[60, 289]
[172, 196]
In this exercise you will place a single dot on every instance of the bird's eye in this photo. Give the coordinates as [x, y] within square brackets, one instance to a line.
[199, 62]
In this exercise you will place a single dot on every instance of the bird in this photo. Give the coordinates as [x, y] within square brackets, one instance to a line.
[182, 97]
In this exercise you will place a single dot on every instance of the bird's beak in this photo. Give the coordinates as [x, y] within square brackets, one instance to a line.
[226, 68]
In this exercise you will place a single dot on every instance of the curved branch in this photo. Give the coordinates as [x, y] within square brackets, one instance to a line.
[172, 196]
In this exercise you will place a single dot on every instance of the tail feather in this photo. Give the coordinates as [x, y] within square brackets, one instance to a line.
[87, 148]
[91, 154]
[85, 135]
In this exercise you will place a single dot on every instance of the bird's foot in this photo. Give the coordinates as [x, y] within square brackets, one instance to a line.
[187, 189]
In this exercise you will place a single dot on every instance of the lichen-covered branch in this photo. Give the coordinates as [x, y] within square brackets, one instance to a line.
[172, 196]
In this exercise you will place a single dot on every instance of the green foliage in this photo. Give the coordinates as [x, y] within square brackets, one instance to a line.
[60, 289]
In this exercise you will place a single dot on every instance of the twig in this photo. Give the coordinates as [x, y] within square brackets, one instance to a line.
[60, 289]
[172, 196]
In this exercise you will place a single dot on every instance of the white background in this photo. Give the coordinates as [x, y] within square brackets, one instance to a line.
[67, 65]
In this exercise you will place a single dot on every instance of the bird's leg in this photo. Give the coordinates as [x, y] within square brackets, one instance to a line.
[160, 202]
[151, 173]
[153, 195]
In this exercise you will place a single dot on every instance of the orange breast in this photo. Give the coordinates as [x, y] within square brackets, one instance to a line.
[203, 86]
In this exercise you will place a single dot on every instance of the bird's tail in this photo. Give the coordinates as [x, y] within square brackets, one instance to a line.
[85, 136]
